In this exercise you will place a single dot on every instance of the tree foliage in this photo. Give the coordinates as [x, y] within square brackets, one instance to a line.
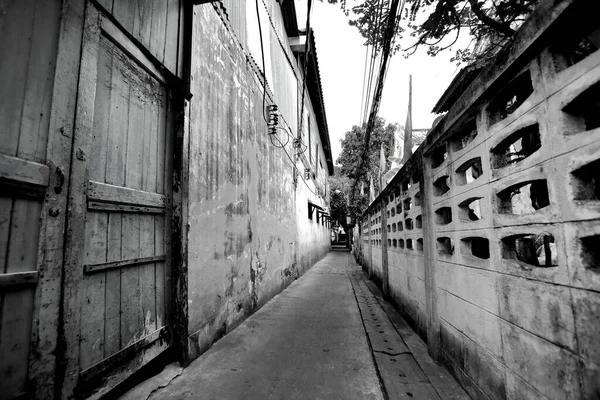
[349, 162]
[438, 24]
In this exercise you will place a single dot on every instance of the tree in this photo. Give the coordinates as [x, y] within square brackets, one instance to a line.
[349, 161]
[437, 24]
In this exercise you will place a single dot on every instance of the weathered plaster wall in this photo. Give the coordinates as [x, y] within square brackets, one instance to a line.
[248, 234]
[507, 321]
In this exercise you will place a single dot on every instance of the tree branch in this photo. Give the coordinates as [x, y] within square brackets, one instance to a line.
[487, 20]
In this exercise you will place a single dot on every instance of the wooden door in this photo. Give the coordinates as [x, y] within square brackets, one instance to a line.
[118, 251]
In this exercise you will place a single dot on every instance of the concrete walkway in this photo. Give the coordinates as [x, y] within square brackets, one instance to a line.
[329, 335]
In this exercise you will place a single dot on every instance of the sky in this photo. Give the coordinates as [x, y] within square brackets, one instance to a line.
[341, 55]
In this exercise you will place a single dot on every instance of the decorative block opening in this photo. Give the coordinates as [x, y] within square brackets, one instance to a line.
[516, 147]
[418, 199]
[441, 185]
[388, 214]
[590, 252]
[394, 243]
[389, 242]
[586, 182]
[438, 156]
[469, 171]
[408, 224]
[524, 198]
[399, 208]
[475, 246]
[410, 244]
[400, 227]
[419, 222]
[393, 211]
[585, 109]
[470, 209]
[391, 197]
[394, 227]
[445, 246]
[389, 228]
[576, 48]
[407, 204]
[420, 244]
[443, 216]
[533, 250]
[465, 136]
[510, 97]
[401, 243]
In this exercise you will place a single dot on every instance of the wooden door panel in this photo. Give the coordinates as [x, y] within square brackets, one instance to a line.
[124, 178]
[120, 217]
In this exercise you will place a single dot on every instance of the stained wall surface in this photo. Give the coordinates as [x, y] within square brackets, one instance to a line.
[492, 226]
[249, 231]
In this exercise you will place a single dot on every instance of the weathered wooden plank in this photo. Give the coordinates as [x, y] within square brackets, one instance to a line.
[126, 353]
[112, 330]
[96, 231]
[115, 174]
[102, 114]
[167, 172]
[159, 21]
[117, 131]
[172, 34]
[90, 268]
[23, 171]
[147, 273]
[104, 192]
[15, 34]
[100, 206]
[35, 117]
[73, 278]
[17, 306]
[159, 221]
[142, 22]
[63, 80]
[14, 280]
[135, 136]
[124, 12]
[92, 308]
[6, 205]
[15, 319]
[131, 321]
[118, 37]
[159, 248]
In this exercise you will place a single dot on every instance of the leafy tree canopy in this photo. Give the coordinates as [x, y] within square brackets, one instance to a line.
[437, 24]
[349, 161]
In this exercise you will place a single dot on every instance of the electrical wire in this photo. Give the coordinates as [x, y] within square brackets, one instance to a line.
[264, 72]
[386, 47]
[289, 135]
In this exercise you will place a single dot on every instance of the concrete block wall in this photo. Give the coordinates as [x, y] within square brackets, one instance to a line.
[506, 286]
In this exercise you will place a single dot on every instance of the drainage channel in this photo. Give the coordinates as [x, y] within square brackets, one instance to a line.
[400, 375]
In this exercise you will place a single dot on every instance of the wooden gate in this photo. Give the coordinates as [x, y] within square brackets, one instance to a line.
[117, 273]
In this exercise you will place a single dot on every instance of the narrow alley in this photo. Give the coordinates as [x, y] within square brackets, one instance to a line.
[329, 335]
[228, 199]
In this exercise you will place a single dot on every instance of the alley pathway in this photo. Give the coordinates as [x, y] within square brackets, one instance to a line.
[329, 335]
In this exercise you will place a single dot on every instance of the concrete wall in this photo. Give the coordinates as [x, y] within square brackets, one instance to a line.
[507, 321]
[249, 235]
